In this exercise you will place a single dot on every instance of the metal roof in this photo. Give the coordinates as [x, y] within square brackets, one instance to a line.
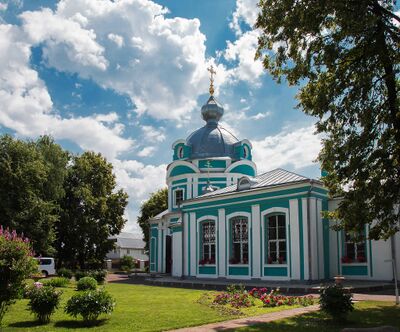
[275, 177]
[128, 240]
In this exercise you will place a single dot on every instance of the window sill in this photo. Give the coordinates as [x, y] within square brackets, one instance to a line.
[355, 264]
[239, 265]
[207, 264]
[276, 265]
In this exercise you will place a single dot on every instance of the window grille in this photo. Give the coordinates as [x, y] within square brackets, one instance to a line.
[276, 241]
[240, 241]
[208, 242]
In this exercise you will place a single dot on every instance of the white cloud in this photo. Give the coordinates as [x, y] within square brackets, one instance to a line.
[246, 11]
[260, 115]
[139, 181]
[117, 39]
[161, 65]
[242, 52]
[152, 134]
[297, 148]
[3, 6]
[65, 40]
[147, 151]
[26, 106]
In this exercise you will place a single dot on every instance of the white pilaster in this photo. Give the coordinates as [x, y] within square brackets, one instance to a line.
[195, 187]
[221, 243]
[193, 244]
[160, 252]
[185, 244]
[294, 238]
[320, 233]
[306, 241]
[313, 238]
[256, 246]
[177, 254]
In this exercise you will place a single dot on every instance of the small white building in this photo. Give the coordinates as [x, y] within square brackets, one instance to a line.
[127, 244]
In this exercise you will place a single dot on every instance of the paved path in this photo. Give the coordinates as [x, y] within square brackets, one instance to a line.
[242, 322]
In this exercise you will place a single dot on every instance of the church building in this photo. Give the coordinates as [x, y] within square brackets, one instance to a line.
[226, 221]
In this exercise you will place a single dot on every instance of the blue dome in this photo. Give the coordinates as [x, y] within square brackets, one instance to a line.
[212, 111]
[212, 140]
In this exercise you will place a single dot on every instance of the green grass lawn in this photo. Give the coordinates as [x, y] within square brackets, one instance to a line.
[366, 314]
[138, 308]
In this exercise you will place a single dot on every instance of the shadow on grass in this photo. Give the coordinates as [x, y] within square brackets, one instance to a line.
[77, 324]
[26, 324]
[317, 321]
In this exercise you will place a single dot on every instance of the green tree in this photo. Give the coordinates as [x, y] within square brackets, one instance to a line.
[127, 263]
[31, 179]
[92, 210]
[16, 264]
[157, 203]
[345, 54]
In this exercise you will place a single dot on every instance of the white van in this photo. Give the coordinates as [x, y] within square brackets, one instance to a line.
[46, 266]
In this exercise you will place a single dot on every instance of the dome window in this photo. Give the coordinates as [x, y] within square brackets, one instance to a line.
[246, 152]
[243, 183]
[180, 152]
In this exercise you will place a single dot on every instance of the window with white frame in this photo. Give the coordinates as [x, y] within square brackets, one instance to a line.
[276, 239]
[239, 240]
[245, 152]
[354, 251]
[178, 193]
[180, 152]
[208, 242]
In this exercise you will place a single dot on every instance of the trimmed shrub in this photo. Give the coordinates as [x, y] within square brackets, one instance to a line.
[43, 301]
[16, 265]
[79, 274]
[56, 282]
[86, 283]
[127, 263]
[90, 304]
[336, 302]
[64, 272]
[99, 275]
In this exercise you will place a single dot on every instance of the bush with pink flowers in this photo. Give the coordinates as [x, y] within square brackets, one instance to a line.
[16, 265]
[238, 297]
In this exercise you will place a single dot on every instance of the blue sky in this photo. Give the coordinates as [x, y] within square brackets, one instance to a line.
[128, 78]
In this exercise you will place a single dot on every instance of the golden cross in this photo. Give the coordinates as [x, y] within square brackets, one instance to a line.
[212, 73]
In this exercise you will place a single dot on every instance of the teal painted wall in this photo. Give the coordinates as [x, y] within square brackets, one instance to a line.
[186, 151]
[258, 199]
[180, 170]
[207, 270]
[357, 270]
[280, 271]
[243, 169]
[238, 270]
[179, 181]
[213, 163]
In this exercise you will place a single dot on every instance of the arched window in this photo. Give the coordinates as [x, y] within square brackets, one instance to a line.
[276, 239]
[243, 183]
[239, 241]
[207, 242]
[180, 152]
[245, 152]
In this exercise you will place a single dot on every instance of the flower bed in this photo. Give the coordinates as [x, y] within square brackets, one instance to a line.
[238, 297]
